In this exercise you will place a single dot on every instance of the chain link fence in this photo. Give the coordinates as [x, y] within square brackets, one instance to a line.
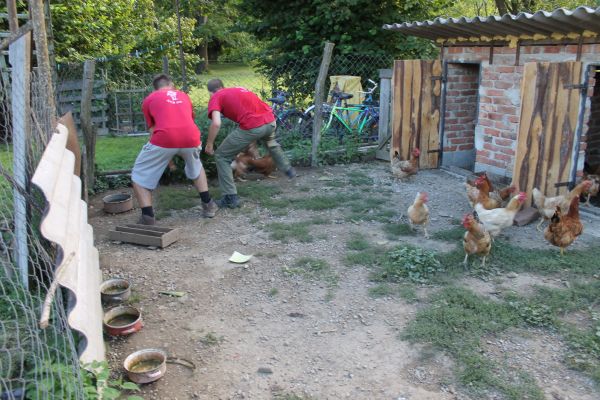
[35, 363]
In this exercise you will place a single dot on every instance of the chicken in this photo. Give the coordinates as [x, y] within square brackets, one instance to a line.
[402, 169]
[547, 205]
[564, 229]
[418, 212]
[477, 239]
[244, 163]
[484, 198]
[594, 188]
[499, 218]
[472, 191]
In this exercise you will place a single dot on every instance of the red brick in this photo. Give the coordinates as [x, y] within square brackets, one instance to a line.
[451, 135]
[471, 92]
[450, 121]
[513, 119]
[450, 148]
[508, 135]
[503, 142]
[485, 122]
[485, 100]
[462, 113]
[483, 153]
[503, 85]
[489, 84]
[505, 69]
[502, 101]
[494, 92]
[466, 147]
[469, 78]
[495, 116]
[507, 110]
[500, 125]
[508, 151]
[552, 49]
[453, 93]
[491, 147]
[504, 157]
[487, 75]
[491, 131]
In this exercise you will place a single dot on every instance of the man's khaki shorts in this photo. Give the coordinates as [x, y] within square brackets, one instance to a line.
[152, 161]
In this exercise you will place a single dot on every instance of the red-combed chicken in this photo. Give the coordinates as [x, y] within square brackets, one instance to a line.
[484, 195]
[594, 188]
[564, 228]
[547, 205]
[477, 239]
[402, 169]
[499, 218]
[499, 195]
[418, 212]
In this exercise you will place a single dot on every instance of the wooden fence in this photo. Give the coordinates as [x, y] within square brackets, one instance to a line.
[69, 99]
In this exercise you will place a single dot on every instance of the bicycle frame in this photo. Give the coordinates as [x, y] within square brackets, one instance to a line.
[351, 124]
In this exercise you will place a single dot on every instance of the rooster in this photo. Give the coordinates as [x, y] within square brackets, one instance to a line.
[402, 169]
[594, 188]
[484, 198]
[564, 229]
[547, 205]
[498, 196]
[499, 218]
[418, 212]
[477, 239]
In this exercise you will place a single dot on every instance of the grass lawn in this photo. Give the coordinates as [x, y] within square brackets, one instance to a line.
[231, 75]
[114, 153]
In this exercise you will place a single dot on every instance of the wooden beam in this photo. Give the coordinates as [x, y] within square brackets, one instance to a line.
[87, 128]
[22, 30]
[385, 98]
[20, 59]
[13, 19]
[319, 98]
[38, 20]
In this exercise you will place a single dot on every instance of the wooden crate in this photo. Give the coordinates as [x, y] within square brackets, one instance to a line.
[147, 235]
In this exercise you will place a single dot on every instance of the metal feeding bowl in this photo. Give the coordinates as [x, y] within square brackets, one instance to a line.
[122, 320]
[116, 290]
[117, 203]
[145, 366]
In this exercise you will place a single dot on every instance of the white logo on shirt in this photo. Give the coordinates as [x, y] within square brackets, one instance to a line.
[173, 97]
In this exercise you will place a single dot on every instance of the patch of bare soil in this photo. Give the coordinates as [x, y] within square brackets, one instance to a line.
[255, 332]
[541, 353]
[523, 284]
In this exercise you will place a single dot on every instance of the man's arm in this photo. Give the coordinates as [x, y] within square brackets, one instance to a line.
[213, 130]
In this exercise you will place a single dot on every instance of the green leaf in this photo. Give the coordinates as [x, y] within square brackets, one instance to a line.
[130, 386]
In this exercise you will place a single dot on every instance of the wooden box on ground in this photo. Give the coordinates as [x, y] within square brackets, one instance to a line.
[146, 235]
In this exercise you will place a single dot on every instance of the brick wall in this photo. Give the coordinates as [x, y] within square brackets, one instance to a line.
[593, 126]
[499, 98]
[461, 114]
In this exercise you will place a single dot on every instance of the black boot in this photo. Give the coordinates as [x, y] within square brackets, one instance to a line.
[229, 201]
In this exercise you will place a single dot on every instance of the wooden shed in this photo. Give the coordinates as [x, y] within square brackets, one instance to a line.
[517, 96]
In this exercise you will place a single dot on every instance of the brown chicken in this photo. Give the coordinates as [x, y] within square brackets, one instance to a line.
[483, 197]
[499, 196]
[418, 212]
[547, 205]
[402, 169]
[477, 239]
[244, 163]
[564, 229]
[594, 189]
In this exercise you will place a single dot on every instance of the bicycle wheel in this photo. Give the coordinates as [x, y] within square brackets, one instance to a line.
[288, 123]
[370, 131]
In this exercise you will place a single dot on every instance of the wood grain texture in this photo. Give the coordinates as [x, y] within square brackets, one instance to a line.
[549, 114]
[415, 111]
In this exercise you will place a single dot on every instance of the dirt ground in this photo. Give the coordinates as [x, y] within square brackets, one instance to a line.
[255, 332]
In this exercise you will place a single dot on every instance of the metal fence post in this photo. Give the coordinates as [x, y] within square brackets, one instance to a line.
[87, 128]
[385, 99]
[319, 96]
[20, 59]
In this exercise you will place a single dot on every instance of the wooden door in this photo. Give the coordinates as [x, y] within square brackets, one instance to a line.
[550, 106]
[416, 96]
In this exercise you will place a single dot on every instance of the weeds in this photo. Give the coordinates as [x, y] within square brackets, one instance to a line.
[359, 178]
[313, 268]
[175, 198]
[454, 234]
[357, 241]
[295, 230]
[395, 230]
[455, 322]
[412, 263]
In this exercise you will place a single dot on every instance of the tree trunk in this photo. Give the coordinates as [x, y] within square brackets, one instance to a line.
[501, 5]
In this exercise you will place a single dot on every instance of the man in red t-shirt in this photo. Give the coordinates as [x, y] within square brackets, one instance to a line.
[256, 123]
[170, 118]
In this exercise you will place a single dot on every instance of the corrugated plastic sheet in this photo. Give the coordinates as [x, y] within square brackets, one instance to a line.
[559, 21]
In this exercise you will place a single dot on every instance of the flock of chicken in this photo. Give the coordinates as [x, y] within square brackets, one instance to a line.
[495, 210]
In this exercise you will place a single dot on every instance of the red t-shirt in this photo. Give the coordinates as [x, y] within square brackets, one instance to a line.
[171, 114]
[242, 106]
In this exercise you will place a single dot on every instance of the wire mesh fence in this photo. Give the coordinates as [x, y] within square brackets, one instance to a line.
[35, 363]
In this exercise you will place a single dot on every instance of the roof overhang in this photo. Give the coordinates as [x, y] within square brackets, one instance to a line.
[560, 24]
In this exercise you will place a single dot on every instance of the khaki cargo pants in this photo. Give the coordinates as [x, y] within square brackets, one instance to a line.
[237, 141]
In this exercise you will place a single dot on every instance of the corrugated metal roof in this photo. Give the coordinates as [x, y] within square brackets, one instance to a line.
[582, 20]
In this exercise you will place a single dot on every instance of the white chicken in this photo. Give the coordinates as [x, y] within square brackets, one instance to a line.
[499, 218]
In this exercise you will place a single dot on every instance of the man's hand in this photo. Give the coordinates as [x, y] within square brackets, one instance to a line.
[208, 149]
[213, 130]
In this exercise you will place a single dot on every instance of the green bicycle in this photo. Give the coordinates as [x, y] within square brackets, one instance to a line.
[341, 119]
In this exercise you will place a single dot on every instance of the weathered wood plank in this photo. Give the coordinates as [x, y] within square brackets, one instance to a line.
[549, 116]
[416, 110]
